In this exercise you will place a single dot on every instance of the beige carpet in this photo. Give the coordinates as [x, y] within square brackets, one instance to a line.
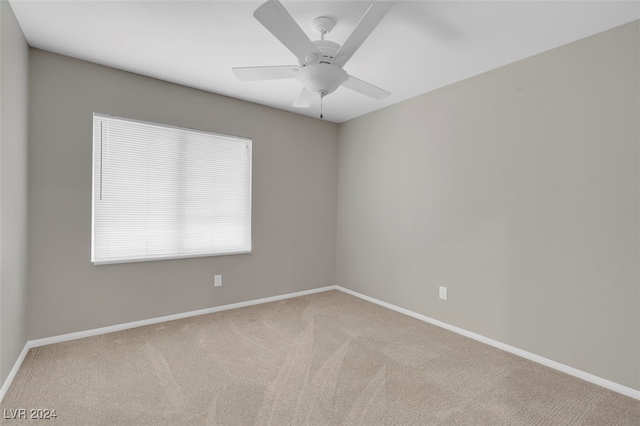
[324, 359]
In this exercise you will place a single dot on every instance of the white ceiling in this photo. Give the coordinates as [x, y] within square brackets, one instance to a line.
[420, 45]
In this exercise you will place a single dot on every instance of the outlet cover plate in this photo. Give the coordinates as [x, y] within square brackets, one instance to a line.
[443, 293]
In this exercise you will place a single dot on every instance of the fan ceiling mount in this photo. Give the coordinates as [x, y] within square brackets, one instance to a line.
[320, 62]
[323, 25]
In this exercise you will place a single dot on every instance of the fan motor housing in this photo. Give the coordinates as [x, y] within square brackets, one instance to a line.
[328, 49]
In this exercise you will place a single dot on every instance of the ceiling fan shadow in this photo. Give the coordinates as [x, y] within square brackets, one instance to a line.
[423, 16]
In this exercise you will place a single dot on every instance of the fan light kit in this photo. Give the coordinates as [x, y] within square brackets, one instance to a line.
[320, 62]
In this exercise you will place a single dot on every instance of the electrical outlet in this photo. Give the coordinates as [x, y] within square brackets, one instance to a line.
[217, 281]
[443, 293]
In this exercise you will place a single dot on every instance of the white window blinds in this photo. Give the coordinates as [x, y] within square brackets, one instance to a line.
[163, 192]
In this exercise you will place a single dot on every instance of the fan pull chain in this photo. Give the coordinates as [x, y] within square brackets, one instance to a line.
[321, 98]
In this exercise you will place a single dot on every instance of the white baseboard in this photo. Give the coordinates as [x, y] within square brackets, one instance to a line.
[134, 324]
[110, 329]
[14, 371]
[624, 390]
[616, 387]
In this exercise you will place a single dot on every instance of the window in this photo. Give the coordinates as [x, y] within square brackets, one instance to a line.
[162, 192]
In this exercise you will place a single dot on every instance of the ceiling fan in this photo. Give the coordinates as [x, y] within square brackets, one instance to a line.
[320, 62]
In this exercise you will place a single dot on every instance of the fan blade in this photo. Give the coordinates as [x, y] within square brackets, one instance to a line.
[365, 88]
[365, 26]
[304, 99]
[277, 20]
[265, 73]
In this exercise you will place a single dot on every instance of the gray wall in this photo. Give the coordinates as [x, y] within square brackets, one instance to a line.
[517, 189]
[13, 188]
[294, 201]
